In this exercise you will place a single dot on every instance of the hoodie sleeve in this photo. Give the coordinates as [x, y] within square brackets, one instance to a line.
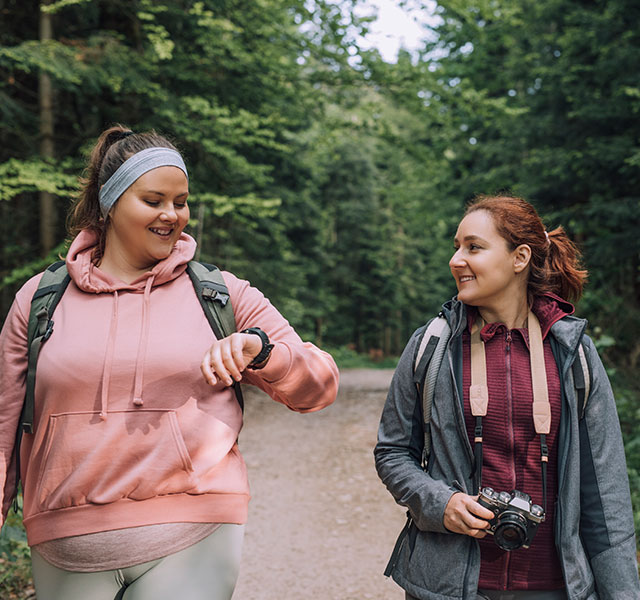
[298, 374]
[13, 372]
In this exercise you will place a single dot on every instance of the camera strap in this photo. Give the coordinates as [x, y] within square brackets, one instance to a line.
[479, 395]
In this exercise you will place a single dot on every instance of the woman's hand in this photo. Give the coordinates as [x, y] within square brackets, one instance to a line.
[228, 357]
[464, 515]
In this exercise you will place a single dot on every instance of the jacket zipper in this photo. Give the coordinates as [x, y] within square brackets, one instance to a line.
[511, 442]
[511, 439]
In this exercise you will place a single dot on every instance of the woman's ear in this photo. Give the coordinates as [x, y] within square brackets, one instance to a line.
[521, 258]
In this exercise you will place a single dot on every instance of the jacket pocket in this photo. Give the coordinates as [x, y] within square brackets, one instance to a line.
[135, 454]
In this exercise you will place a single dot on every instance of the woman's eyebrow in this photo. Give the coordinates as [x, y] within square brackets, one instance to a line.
[473, 238]
[163, 194]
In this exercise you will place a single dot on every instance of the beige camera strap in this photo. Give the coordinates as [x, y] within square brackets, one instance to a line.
[479, 394]
[541, 406]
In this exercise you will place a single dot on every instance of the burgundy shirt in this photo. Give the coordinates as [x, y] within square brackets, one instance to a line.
[511, 448]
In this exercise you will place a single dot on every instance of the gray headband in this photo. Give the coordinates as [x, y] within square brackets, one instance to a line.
[134, 167]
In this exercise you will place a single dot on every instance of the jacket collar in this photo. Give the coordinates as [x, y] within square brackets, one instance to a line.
[566, 329]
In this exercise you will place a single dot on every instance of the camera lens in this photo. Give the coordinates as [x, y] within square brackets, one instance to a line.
[511, 531]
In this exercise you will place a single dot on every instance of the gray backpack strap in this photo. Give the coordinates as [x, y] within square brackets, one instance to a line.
[426, 366]
[581, 380]
[213, 296]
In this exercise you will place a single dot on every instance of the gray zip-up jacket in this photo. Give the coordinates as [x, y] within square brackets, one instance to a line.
[594, 528]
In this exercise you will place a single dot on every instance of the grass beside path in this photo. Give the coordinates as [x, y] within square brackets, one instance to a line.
[346, 358]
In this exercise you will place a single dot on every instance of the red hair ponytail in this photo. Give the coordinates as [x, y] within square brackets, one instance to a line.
[564, 270]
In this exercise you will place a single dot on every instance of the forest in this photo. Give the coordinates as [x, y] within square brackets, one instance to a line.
[330, 178]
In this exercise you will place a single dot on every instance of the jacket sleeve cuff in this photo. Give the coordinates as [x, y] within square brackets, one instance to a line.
[431, 516]
[616, 571]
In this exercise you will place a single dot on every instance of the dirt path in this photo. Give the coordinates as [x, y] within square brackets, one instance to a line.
[321, 525]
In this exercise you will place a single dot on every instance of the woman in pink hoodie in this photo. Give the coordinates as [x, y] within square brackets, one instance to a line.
[134, 486]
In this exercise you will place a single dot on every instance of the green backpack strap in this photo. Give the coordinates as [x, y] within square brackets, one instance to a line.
[213, 296]
[52, 285]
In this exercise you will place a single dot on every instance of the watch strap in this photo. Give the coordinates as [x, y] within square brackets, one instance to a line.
[260, 359]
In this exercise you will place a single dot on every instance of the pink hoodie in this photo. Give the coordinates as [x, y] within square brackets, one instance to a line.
[127, 431]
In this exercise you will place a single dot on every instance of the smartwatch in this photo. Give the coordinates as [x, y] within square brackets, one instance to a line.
[261, 358]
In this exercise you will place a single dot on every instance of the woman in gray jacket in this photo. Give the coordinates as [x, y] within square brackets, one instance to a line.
[515, 451]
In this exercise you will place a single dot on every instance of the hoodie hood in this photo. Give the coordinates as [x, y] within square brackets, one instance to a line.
[90, 278]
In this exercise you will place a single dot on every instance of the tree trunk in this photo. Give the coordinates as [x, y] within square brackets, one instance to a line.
[319, 330]
[386, 348]
[398, 344]
[45, 96]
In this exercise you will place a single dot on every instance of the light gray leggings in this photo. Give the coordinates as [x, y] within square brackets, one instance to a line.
[205, 571]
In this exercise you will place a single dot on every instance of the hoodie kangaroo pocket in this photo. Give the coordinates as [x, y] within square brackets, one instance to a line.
[135, 454]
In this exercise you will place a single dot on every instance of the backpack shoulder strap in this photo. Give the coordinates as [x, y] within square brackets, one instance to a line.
[425, 370]
[581, 379]
[426, 366]
[214, 298]
[52, 286]
[430, 338]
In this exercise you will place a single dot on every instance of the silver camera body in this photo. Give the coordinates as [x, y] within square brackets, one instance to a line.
[516, 517]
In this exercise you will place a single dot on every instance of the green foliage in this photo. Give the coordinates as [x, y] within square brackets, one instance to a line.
[545, 98]
[15, 559]
[627, 392]
[34, 175]
[54, 7]
[348, 358]
[26, 271]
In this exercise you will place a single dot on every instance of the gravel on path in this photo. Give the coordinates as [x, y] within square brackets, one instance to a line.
[321, 524]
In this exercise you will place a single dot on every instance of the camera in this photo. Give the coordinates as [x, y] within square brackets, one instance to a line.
[516, 517]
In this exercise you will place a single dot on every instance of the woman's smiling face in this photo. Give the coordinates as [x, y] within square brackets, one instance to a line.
[149, 217]
[486, 270]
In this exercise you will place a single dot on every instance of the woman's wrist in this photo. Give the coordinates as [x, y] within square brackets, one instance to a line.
[262, 358]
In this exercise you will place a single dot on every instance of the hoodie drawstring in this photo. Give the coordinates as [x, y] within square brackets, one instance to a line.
[142, 345]
[140, 357]
[108, 360]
